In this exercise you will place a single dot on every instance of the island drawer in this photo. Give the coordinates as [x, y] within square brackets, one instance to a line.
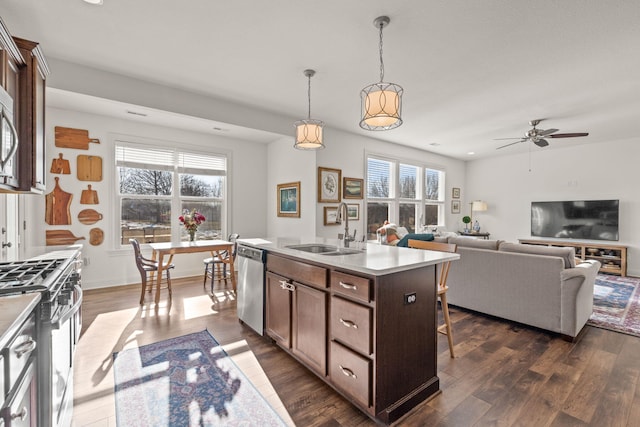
[299, 271]
[351, 373]
[351, 286]
[351, 324]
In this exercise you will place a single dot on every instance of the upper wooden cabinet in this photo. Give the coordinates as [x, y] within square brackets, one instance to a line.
[23, 74]
[31, 150]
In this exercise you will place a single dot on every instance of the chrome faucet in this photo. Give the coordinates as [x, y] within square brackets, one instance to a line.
[347, 238]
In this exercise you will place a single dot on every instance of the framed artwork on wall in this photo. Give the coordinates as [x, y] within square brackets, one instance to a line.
[455, 206]
[455, 193]
[353, 211]
[353, 188]
[329, 188]
[330, 215]
[289, 200]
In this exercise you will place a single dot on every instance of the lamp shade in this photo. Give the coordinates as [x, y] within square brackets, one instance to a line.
[381, 106]
[309, 134]
[478, 206]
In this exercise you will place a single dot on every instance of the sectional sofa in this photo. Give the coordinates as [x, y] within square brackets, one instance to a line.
[534, 285]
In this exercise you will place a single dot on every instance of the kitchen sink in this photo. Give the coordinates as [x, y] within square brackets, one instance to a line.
[315, 248]
[343, 251]
[322, 249]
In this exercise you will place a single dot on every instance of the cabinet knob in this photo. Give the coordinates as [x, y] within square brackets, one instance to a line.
[21, 415]
[6, 245]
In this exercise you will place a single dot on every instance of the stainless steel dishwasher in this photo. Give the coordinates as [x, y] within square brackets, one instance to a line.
[251, 270]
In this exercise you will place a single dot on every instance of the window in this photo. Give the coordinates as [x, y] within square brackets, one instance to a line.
[155, 185]
[409, 195]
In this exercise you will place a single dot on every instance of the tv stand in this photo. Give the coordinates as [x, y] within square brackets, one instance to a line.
[612, 257]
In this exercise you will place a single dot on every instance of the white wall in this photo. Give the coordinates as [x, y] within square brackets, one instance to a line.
[591, 171]
[109, 263]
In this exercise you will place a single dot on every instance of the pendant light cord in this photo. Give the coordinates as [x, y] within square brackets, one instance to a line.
[309, 96]
[381, 60]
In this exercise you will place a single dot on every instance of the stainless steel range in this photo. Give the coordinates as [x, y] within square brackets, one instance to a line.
[58, 322]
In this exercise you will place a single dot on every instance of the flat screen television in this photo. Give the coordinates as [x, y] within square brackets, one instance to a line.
[579, 219]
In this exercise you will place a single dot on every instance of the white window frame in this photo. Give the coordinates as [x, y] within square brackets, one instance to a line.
[176, 168]
[394, 200]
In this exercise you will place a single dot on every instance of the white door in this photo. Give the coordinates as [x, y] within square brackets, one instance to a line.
[10, 237]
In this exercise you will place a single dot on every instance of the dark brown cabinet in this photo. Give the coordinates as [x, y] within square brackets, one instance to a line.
[23, 74]
[357, 332]
[296, 313]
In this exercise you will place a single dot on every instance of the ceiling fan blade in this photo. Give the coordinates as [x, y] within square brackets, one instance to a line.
[541, 143]
[568, 135]
[547, 132]
[500, 139]
[517, 142]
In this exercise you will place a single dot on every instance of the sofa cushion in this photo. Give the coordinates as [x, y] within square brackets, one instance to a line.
[472, 242]
[568, 254]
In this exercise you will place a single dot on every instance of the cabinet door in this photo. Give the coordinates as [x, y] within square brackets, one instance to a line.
[278, 309]
[310, 327]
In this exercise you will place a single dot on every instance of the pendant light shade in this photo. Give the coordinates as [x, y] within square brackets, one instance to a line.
[309, 131]
[381, 102]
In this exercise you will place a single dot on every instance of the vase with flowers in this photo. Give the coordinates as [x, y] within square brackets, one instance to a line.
[191, 221]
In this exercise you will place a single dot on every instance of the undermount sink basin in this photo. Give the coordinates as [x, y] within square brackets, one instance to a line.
[315, 248]
[322, 249]
[344, 251]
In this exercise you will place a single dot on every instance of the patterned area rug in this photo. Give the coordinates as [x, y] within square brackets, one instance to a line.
[186, 381]
[616, 304]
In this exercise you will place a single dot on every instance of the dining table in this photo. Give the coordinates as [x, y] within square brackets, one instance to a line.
[214, 247]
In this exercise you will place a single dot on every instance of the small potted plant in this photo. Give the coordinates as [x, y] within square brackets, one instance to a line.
[467, 220]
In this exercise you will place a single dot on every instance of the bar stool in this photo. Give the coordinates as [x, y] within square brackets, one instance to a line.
[442, 284]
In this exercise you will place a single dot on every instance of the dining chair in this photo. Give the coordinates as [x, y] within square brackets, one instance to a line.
[146, 266]
[213, 265]
[442, 283]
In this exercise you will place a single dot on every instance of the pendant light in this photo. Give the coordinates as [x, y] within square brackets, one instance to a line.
[309, 131]
[381, 102]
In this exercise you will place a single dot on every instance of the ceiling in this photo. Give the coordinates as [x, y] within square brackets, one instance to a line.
[472, 71]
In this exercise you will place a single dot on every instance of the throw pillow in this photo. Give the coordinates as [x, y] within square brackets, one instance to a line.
[568, 254]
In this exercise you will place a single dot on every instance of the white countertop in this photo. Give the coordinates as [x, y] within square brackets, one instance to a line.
[375, 260]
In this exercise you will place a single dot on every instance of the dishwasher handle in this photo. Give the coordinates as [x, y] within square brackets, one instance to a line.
[251, 253]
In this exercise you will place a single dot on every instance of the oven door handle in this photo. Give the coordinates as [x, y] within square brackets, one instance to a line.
[68, 314]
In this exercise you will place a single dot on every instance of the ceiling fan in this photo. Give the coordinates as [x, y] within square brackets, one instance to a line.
[537, 136]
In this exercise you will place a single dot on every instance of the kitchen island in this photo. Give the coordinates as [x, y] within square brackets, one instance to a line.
[363, 318]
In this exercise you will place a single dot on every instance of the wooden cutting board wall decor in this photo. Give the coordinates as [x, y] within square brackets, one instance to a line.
[96, 236]
[89, 216]
[61, 237]
[89, 168]
[60, 165]
[57, 206]
[73, 138]
[89, 196]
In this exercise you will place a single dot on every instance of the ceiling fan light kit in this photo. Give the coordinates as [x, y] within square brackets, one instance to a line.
[537, 136]
[382, 101]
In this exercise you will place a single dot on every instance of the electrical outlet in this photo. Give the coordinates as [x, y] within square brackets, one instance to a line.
[410, 298]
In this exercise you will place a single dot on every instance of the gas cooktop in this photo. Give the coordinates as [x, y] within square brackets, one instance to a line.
[27, 276]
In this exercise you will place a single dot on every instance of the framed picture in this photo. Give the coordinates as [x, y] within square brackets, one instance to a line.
[330, 215]
[455, 206]
[352, 188]
[329, 188]
[353, 211]
[289, 200]
[455, 193]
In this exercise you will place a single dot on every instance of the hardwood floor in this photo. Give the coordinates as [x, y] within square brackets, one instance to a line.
[503, 374]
